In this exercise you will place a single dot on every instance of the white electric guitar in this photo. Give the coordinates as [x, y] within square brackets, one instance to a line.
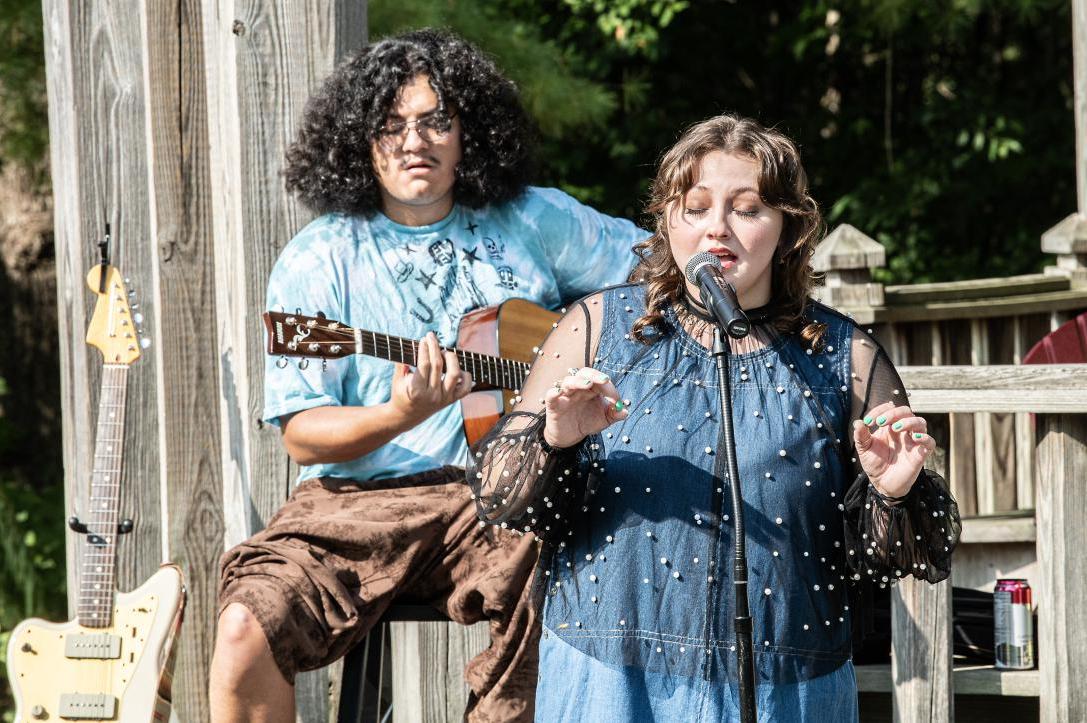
[113, 662]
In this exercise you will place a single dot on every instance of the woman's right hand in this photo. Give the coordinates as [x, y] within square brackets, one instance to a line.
[580, 404]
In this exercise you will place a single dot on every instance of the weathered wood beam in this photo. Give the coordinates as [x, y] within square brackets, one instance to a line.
[169, 122]
[984, 308]
[100, 160]
[264, 59]
[921, 660]
[1062, 515]
[974, 289]
[428, 669]
[969, 680]
[1068, 239]
[1079, 102]
[997, 388]
[179, 167]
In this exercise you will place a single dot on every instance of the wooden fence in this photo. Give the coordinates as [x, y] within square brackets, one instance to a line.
[921, 677]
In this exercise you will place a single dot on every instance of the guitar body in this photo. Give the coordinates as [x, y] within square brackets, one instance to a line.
[44, 678]
[509, 330]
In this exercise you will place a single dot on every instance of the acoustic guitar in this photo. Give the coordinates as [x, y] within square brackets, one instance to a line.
[114, 662]
[496, 345]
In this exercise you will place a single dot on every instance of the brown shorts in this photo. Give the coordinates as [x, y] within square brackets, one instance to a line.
[339, 552]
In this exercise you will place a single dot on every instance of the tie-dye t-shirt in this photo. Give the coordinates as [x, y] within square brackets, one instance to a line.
[381, 276]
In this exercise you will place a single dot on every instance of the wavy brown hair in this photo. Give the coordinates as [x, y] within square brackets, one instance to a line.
[783, 185]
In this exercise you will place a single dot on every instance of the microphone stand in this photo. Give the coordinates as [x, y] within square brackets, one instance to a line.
[743, 627]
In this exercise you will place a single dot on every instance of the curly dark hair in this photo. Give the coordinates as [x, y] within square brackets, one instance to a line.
[329, 166]
[783, 185]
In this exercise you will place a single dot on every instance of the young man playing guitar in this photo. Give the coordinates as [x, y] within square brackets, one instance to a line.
[416, 153]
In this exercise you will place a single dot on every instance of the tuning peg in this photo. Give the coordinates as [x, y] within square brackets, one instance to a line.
[138, 318]
[144, 342]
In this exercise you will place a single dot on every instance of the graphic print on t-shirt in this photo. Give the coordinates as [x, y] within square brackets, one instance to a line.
[444, 279]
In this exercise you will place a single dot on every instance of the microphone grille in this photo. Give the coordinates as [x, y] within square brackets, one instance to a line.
[696, 262]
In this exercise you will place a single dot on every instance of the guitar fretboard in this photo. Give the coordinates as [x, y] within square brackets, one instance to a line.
[490, 370]
[97, 584]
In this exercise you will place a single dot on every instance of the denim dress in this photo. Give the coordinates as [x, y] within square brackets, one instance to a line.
[637, 570]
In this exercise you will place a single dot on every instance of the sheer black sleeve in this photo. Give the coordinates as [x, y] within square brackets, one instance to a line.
[888, 538]
[519, 481]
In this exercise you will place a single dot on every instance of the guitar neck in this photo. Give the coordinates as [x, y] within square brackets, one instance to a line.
[97, 587]
[487, 371]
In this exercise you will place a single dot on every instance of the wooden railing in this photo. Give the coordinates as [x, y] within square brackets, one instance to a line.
[921, 676]
[1011, 443]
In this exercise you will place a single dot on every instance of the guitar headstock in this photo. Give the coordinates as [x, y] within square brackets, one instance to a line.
[114, 329]
[307, 336]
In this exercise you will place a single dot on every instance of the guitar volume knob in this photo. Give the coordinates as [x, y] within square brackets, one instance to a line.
[38, 712]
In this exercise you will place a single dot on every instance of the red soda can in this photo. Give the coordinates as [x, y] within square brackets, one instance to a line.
[1013, 634]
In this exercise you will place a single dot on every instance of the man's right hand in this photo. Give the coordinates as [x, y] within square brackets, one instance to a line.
[436, 382]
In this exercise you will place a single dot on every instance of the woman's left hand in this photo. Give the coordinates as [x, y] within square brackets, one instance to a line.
[892, 444]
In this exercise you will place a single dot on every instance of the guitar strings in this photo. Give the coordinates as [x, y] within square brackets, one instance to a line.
[498, 371]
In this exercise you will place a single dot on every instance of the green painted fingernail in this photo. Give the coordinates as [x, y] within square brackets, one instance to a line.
[896, 426]
[867, 420]
[602, 378]
[917, 435]
[881, 421]
[619, 406]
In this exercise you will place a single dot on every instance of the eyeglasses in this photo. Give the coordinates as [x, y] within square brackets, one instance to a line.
[432, 128]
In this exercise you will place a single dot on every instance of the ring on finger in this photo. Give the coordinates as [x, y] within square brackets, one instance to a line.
[572, 371]
[558, 384]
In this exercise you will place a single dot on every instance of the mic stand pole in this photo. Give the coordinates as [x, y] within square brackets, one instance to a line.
[744, 645]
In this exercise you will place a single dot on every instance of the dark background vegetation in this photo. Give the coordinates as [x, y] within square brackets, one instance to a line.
[942, 128]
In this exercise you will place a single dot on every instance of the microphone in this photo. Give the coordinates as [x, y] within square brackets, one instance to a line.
[704, 271]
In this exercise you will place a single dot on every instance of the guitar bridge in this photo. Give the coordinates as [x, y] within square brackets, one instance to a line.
[88, 706]
[102, 646]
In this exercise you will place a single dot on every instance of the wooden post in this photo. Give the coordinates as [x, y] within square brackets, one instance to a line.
[169, 121]
[1062, 517]
[263, 61]
[921, 660]
[1079, 81]
[1068, 239]
[1062, 464]
[428, 669]
[100, 164]
[847, 257]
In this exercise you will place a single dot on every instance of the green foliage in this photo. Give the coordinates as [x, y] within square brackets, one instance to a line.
[561, 101]
[942, 129]
[634, 25]
[32, 555]
[24, 129]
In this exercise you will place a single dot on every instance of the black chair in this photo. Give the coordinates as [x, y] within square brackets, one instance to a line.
[366, 687]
